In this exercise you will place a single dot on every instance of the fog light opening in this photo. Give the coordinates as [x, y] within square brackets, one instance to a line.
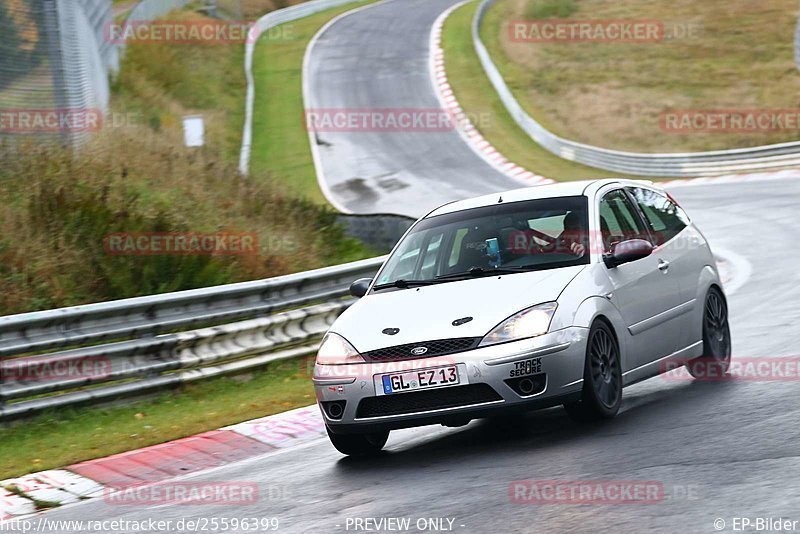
[526, 386]
[334, 409]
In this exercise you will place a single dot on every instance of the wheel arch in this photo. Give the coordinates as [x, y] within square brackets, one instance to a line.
[707, 280]
[601, 309]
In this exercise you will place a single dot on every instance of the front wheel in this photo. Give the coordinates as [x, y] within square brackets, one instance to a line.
[602, 378]
[716, 357]
[358, 444]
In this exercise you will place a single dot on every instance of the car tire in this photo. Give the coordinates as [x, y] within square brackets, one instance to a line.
[358, 444]
[717, 348]
[601, 396]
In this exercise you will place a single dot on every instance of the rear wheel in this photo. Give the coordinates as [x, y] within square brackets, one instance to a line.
[602, 378]
[358, 444]
[716, 357]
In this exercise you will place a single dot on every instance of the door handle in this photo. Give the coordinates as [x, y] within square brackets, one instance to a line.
[663, 266]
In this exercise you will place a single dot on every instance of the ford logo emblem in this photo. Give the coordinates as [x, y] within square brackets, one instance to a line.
[419, 351]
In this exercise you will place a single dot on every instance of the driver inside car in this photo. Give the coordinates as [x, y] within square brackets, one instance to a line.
[571, 240]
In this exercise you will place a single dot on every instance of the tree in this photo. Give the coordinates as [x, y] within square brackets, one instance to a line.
[21, 48]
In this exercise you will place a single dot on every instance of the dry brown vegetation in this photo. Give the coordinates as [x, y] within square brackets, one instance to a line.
[735, 55]
[136, 176]
[58, 208]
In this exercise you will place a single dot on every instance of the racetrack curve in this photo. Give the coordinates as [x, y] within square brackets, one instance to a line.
[732, 445]
[375, 58]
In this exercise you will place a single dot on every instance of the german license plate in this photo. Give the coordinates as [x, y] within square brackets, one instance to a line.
[420, 379]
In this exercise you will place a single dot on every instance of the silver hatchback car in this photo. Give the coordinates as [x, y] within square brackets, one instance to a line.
[559, 294]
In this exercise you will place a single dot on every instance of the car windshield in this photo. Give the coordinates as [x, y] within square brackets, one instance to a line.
[503, 238]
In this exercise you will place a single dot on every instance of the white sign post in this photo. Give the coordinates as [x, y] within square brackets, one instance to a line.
[193, 131]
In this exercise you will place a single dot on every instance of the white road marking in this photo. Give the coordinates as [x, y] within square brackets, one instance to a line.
[735, 269]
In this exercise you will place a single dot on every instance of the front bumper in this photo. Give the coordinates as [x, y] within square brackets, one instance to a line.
[556, 360]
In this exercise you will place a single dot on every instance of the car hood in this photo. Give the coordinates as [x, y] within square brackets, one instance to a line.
[427, 313]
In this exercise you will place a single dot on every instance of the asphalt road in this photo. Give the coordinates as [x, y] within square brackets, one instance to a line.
[378, 58]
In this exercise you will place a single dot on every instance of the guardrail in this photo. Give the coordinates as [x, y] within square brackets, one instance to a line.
[271, 20]
[685, 164]
[134, 346]
[148, 10]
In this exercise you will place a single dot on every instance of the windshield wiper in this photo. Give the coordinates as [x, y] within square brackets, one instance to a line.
[405, 284]
[475, 272]
[480, 271]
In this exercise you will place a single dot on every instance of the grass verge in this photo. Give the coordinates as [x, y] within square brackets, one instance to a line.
[478, 98]
[72, 435]
[614, 94]
[280, 139]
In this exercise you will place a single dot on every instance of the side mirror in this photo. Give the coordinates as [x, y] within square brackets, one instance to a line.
[360, 287]
[626, 252]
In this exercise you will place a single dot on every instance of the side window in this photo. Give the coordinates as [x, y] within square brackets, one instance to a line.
[618, 220]
[666, 219]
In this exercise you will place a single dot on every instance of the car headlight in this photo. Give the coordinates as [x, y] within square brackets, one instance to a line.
[528, 323]
[336, 350]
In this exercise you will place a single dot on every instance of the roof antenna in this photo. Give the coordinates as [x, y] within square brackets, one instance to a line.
[500, 200]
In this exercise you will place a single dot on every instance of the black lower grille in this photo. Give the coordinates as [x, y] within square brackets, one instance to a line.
[412, 351]
[422, 401]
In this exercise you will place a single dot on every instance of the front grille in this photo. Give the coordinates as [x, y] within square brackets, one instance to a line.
[423, 401]
[440, 347]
